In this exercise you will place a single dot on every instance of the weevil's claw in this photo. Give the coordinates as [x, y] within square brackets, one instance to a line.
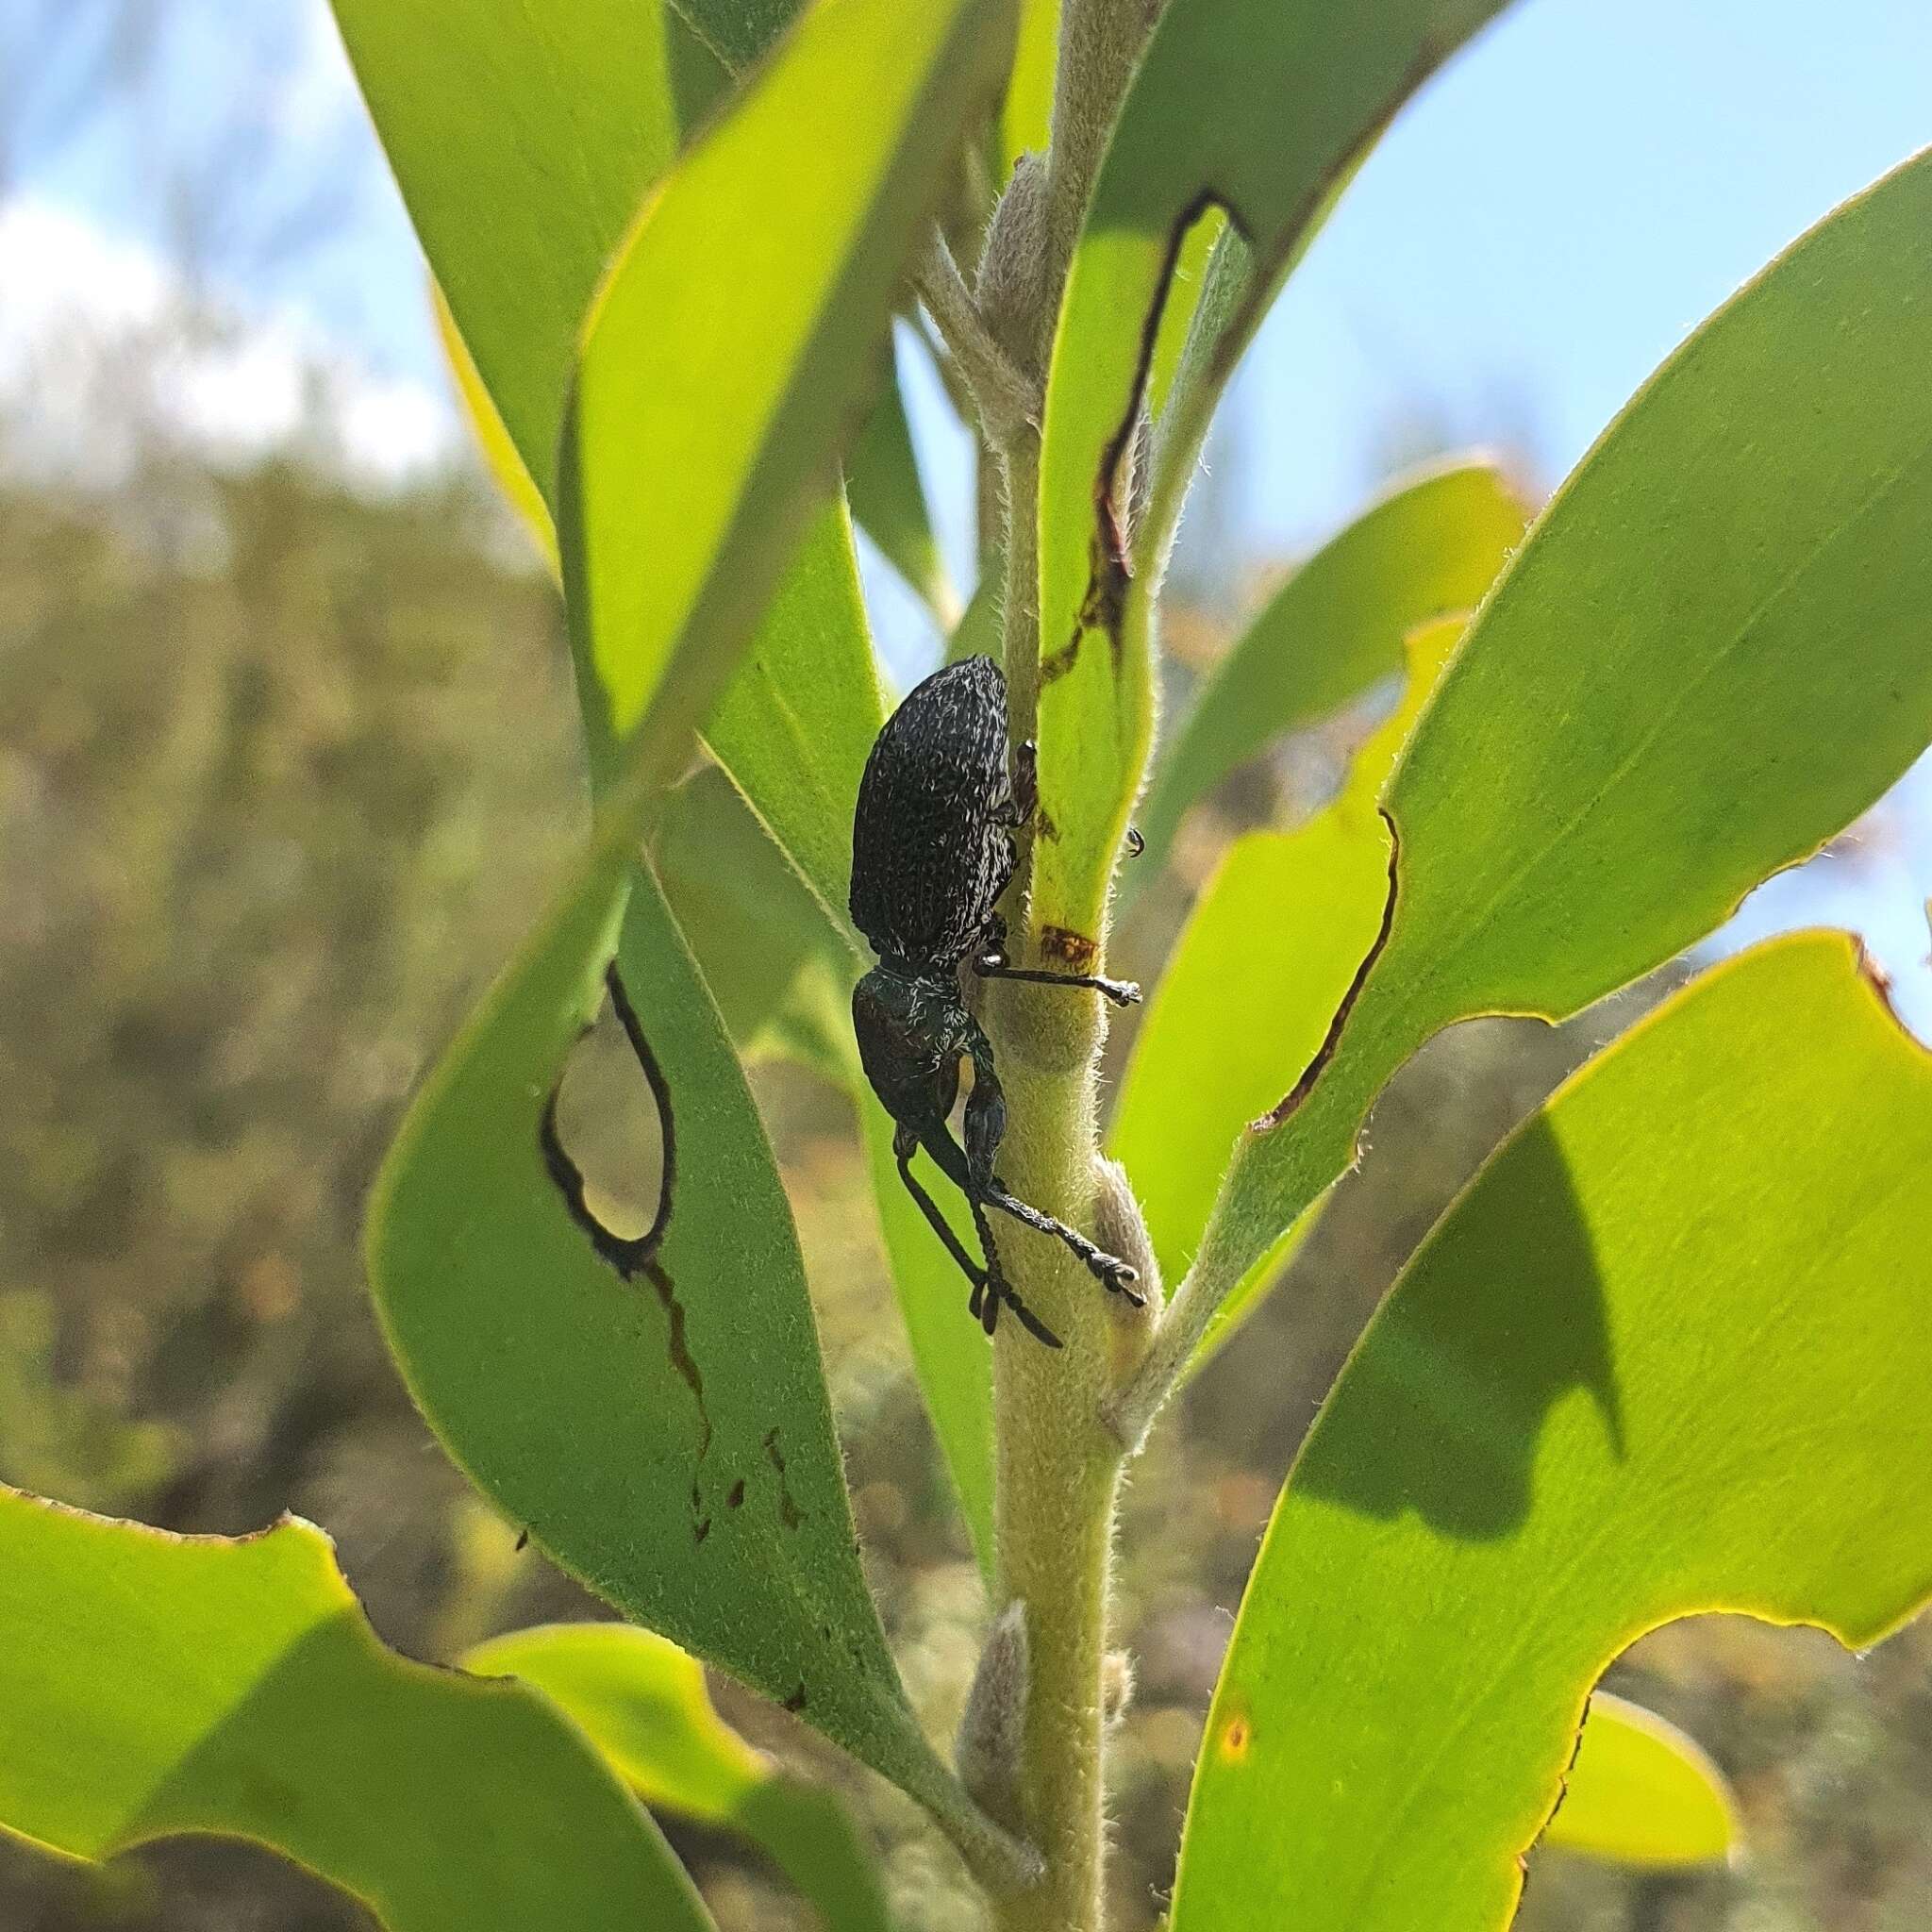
[1117, 1277]
[1136, 844]
[1123, 992]
[1029, 1320]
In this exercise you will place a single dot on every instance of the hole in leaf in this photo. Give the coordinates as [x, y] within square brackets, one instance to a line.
[608, 1123]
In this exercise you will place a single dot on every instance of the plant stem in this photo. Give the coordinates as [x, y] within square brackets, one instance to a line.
[1005, 398]
[1099, 41]
[1019, 462]
[1057, 1465]
[1057, 1461]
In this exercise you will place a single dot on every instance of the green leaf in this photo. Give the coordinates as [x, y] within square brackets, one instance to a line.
[1668, 1354]
[666, 1438]
[783, 982]
[949, 1353]
[1199, 271]
[888, 497]
[152, 1685]
[882, 479]
[793, 725]
[751, 922]
[501, 458]
[1432, 546]
[1265, 958]
[707, 402]
[1641, 1792]
[1708, 657]
[1299, 90]
[555, 119]
[643, 1702]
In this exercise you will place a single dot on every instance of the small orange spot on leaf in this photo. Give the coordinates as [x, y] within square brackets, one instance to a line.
[1235, 1735]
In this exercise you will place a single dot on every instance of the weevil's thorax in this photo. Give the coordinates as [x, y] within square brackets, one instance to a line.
[907, 1024]
[931, 846]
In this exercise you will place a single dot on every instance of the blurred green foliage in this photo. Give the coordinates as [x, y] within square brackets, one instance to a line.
[284, 775]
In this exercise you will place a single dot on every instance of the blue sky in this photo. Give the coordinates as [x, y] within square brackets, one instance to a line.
[1561, 204]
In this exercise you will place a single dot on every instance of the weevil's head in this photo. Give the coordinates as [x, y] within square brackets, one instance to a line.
[902, 1020]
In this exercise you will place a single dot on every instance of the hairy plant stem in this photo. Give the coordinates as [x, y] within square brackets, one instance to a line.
[1057, 1460]
[1057, 1468]
[1099, 41]
[1005, 399]
[1019, 469]
[1057, 1465]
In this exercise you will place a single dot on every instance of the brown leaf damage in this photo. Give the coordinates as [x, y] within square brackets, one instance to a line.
[1065, 947]
[790, 1514]
[1325, 1052]
[637, 1256]
[633, 1254]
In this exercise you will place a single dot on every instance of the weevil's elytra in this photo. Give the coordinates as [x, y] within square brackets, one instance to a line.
[932, 850]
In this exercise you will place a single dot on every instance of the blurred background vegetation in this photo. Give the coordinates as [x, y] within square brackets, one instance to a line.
[287, 764]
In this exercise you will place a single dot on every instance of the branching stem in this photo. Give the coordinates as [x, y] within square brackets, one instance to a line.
[1004, 397]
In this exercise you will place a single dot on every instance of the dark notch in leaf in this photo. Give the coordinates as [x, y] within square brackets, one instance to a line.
[631, 1256]
[638, 1254]
[1332, 1038]
[1111, 567]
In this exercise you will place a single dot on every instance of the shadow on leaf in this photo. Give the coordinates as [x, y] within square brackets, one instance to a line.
[1482, 1336]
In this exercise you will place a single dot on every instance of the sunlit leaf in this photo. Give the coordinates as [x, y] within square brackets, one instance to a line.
[1708, 656]
[643, 1702]
[152, 1685]
[1641, 1792]
[1669, 1353]
[552, 119]
[794, 724]
[1334, 628]
[1299, 89]
[501, 457]
[707, 404]
[881, 475]
[1248, 993]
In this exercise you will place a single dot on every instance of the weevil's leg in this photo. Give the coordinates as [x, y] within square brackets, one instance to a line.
[993, 965]
[1136, 844]
[994, 941]
[1000, 1289]
[1109, 1269]
[946, 1153]
[904, 1143]
[1025, 796]
[985, 1126]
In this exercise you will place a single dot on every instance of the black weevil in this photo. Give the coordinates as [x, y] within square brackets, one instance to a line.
[932, 850]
